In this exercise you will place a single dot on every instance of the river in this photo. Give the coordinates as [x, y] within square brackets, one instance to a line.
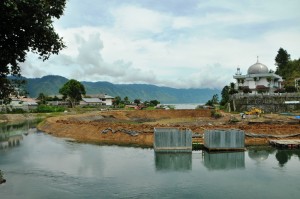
[39, 166]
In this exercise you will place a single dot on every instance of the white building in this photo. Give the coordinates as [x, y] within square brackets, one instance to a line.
[258, 78]
[104, 98]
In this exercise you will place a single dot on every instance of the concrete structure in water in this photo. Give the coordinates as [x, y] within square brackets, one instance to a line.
[172, 140]
[224, 140]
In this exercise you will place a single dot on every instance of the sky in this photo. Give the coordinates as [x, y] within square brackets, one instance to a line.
[174, 43]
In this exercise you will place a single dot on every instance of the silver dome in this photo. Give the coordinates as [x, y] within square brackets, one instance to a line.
[258, 68]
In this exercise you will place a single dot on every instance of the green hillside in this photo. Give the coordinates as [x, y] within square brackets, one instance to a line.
[49, 85]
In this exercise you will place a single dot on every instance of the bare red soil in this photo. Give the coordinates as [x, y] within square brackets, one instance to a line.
[115, 127]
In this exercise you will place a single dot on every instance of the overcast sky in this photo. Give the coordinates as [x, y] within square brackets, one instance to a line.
[175, 43]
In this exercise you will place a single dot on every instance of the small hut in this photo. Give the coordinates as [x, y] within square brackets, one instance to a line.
[229, 139]
[172, 140]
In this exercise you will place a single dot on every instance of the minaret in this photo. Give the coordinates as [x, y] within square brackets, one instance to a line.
[238, 71]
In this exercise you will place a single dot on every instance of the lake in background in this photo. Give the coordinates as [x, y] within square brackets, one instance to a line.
[185, 106]
[37, 165]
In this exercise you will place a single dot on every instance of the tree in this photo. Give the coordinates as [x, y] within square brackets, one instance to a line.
[232, 89]
[72, 90]
[290, 89]
[281, 59]
[225, 95]
[126, 100]
[213, 100]
[137, 101]
[154, 103]
[26, 25]
[117, 101]
[42, 98]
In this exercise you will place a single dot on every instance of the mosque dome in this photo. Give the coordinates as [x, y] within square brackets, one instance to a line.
[258, 68]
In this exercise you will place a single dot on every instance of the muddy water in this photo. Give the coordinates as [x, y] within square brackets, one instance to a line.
[41, 166]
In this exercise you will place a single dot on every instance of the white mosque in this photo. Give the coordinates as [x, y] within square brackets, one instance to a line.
[258, 78]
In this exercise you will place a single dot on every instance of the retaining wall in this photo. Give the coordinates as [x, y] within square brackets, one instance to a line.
[269, 103]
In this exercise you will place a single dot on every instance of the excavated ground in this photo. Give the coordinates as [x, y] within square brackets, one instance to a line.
[136, 127]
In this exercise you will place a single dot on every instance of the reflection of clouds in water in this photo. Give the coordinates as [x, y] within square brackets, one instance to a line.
[50, 154]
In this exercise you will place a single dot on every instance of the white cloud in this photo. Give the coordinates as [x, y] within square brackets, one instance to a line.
[158, 44]
[134, 20]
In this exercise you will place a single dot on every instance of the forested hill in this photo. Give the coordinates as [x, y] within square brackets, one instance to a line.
[49, 85]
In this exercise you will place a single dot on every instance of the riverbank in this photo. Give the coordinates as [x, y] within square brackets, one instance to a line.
[136, 127]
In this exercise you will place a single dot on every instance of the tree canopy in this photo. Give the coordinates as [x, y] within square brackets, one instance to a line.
[213, 100]
[72, 90]
[26, 25]
[225, 95]
[281, 59]
[287, 68]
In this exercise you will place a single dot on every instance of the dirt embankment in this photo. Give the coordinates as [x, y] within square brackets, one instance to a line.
[136, 127]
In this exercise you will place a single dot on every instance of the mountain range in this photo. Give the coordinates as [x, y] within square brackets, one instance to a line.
[50, 85]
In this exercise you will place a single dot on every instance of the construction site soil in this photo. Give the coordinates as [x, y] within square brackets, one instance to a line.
[136, 127]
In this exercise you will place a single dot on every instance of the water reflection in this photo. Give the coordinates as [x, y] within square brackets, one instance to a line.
[224, 161]
[260, 154]
[11, 134]
[173, 161]
[283, 156]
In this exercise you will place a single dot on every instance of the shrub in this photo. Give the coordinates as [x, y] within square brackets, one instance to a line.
[12, 110]
[48, 109]
[216, 114]
[290, 89]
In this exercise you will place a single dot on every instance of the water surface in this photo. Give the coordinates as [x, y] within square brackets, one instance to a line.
[42, 166]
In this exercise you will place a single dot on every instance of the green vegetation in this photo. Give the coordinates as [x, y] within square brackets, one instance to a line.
[287, 68]
[44, 98]
[72, 91]
[214, 100]
[48, 109]
[26, 26]
[119, 103]
[216, 114]
[12, 110]
[197, 146]
[40, 109]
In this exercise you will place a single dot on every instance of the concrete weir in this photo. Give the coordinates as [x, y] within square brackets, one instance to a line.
[224, 140]
[172, 140]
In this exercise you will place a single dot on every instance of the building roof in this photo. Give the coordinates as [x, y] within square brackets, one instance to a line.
[258, 68]
[102, 96]
[92, 100]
